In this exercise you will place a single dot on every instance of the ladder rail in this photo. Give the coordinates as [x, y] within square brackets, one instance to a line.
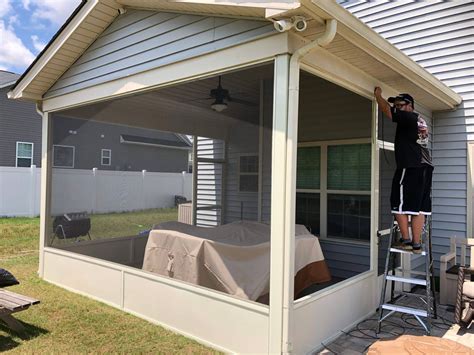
[428, 299]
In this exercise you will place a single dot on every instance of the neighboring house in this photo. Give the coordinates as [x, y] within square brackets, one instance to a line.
[307, 145]
[20, 128]
[439, 36]
[82, 144]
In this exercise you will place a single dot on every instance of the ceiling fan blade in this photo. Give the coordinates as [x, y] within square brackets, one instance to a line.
[201, 99]
[243, 102]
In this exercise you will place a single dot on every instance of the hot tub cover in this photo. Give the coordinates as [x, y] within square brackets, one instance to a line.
[233, 258]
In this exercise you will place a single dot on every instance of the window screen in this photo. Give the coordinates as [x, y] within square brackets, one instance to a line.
[308, 211]
[308, 168]
[63, 156]
[349, 216]
[106, 156]
[349, 167]
[248, 173]
[24, 154]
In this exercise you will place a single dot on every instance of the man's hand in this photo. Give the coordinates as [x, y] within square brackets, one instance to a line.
[377, 91]
[383, 104]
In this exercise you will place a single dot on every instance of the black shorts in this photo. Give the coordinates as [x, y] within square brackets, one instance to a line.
[411, 191]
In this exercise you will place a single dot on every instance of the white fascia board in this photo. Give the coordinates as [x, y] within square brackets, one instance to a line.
[17, 93]
[279, 5]
[361, 35]
[236, 57]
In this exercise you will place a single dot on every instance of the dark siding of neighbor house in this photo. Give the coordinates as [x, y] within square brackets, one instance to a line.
[88, 142]
[19, 122]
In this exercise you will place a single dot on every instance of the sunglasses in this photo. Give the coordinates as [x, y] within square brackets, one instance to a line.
[400, 105]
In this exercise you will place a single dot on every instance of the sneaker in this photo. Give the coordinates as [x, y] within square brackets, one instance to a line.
[404, 244]
[417, 249]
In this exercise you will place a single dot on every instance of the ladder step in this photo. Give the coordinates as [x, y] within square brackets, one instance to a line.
[407, 310]
[407, 280]
[402, 251]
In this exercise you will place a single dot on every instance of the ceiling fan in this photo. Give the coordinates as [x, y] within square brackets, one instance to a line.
[222, 96]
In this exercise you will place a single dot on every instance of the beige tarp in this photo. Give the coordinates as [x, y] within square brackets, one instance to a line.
[233, 258]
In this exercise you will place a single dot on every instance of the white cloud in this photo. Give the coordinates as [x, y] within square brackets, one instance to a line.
[5, 7]
[26, 4]
[54, 11]
[14, 53]
[37, 43]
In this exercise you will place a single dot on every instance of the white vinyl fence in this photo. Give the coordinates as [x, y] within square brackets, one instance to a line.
[94, 191]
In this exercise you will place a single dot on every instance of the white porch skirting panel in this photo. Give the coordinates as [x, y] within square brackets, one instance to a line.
[207, 316]
[321, 317]
[94, 191]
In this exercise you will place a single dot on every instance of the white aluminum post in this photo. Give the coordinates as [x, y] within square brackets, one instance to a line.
[278, 257]
[374, 201]
[45, 207]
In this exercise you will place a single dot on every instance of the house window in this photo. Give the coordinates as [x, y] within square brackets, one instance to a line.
[337, 198]
[24, 154]
[248, 173]
[106, 157]
[63, 156]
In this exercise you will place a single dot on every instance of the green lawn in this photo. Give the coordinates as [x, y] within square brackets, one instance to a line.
[65, 322]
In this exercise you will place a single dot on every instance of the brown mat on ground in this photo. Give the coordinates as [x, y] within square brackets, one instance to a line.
[417, 345]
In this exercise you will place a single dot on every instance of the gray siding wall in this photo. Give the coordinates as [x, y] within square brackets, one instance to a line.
[210, 181]
[88, 143]
[142, 40]
[19, 122]
[439, 35]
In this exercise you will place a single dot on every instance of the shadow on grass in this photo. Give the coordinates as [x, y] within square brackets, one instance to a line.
[9, 342]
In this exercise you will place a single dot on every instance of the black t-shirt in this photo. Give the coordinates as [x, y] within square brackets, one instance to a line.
[409, 153]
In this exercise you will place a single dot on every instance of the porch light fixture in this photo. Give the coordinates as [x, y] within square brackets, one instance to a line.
[219, 106]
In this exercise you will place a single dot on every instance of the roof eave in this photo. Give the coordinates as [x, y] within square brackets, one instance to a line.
[371, 42]
[19, 89]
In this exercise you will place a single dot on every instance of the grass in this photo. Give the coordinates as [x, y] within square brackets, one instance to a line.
[65, 322]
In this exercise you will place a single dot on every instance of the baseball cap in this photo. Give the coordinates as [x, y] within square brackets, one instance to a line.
[402, 97]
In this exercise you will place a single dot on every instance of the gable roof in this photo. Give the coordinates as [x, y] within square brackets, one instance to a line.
[355, 43]
[7, 78]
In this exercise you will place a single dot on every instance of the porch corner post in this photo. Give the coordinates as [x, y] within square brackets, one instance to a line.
[280, 304]
[46, 174]
[374, 203]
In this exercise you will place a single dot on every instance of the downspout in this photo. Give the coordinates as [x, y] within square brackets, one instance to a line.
[293, 100]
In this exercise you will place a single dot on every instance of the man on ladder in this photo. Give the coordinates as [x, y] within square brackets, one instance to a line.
[410, 196]
[411, 185]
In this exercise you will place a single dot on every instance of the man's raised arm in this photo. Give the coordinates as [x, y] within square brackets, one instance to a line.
[383, 104]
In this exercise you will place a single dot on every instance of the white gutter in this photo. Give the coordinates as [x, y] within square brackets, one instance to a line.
[291, 155]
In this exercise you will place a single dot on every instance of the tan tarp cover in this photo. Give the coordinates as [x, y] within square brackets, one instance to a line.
[233, 258]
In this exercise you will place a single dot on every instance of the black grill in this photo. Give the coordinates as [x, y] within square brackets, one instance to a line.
[72, 225]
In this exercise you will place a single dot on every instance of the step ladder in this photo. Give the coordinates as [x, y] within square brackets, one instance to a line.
[428, 299]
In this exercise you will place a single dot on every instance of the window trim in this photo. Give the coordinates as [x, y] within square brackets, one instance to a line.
[73, 156]
[323, 190]
[239, 173]
[102, 157]
[32, 153]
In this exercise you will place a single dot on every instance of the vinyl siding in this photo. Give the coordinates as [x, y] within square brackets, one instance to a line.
[438, 35]
[210, 181]
[19, 122]
[141, 40]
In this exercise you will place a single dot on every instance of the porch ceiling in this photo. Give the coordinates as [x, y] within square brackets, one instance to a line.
[355, 43]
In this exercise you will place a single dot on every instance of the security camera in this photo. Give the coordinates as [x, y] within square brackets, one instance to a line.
[299, 23]
[121, 10]
[283, 25]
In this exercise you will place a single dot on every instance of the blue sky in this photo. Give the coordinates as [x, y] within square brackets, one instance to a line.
[26, 26]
